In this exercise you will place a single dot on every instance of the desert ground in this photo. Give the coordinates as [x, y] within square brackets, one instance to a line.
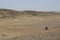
[27, 27]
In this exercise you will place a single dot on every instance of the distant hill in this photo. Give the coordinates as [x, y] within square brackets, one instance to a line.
[8, 13]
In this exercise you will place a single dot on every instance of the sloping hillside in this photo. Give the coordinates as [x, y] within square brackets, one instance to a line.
[29, 25]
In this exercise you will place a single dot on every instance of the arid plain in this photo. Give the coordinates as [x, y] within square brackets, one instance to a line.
[29, 25]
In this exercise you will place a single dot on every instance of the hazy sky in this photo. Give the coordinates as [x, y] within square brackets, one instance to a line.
[42, 5]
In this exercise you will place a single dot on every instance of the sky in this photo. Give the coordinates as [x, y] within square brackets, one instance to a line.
[41, 5]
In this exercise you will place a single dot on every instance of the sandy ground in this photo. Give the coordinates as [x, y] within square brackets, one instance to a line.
[30, 28]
